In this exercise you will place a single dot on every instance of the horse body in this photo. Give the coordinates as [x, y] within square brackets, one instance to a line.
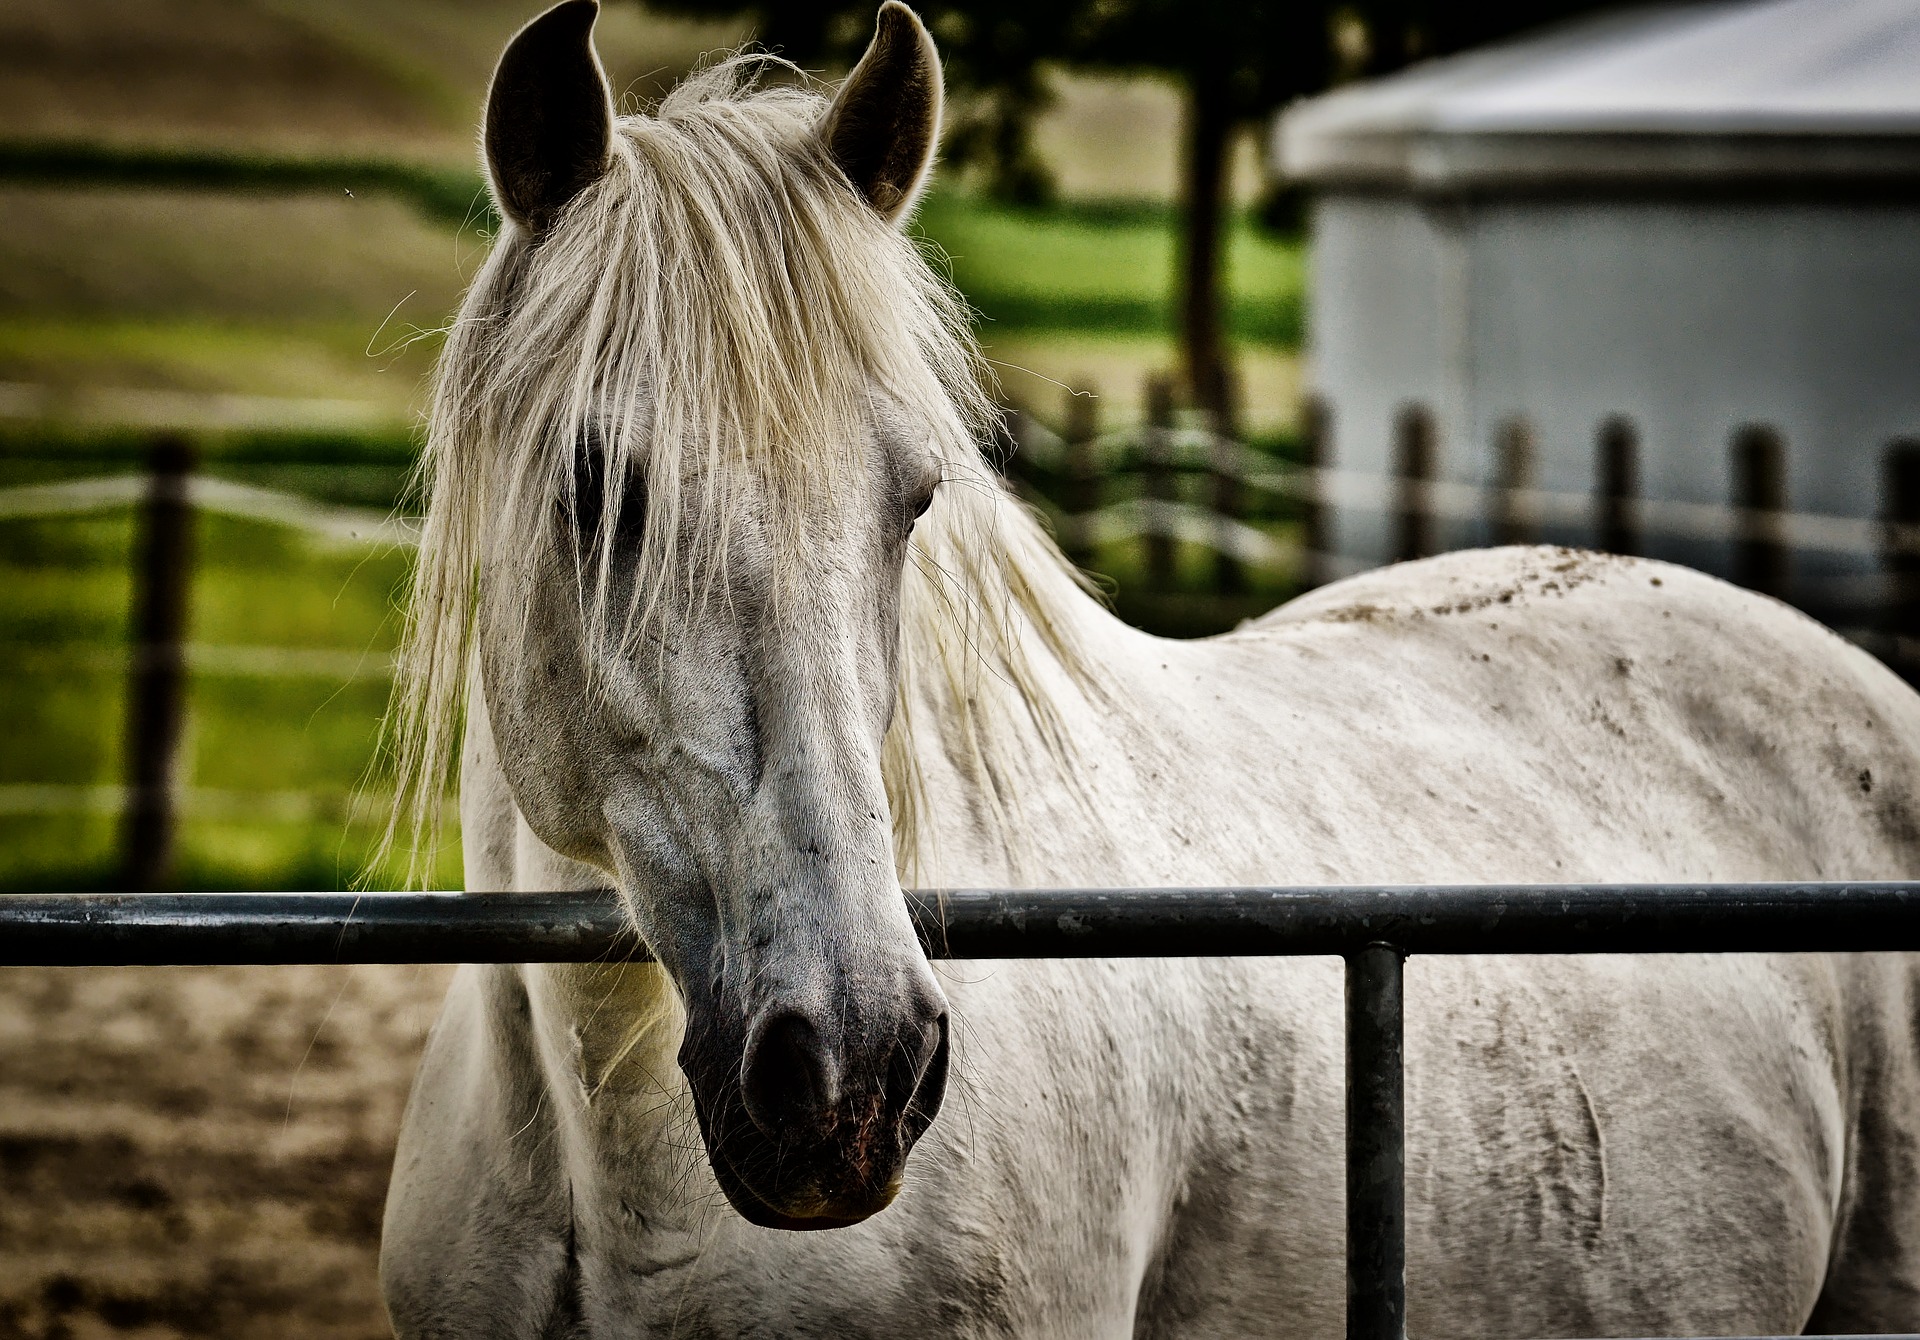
[1597, 1146]
[744, 626]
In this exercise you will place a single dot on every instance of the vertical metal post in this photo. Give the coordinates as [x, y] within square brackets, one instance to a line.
[1376, 1147]
[163, 563]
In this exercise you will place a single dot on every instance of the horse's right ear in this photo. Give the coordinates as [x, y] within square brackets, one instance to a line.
[549, 116]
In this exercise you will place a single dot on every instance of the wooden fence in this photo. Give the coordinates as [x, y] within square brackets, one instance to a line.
[164, 496]
[1182, 480]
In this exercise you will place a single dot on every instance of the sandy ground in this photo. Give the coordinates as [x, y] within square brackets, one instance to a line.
[200, 1151]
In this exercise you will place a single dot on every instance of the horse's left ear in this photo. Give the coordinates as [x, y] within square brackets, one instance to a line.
[885, 122]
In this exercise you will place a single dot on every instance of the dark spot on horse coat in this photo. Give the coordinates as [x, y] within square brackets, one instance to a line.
[1549, 572]
[1361, 613]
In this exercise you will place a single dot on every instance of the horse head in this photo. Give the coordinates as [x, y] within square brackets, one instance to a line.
[689, 416]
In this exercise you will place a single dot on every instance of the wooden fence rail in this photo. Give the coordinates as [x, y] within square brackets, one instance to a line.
[1257, 512]
[1756, 521]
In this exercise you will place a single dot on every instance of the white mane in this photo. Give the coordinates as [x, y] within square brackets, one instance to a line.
[716, 310]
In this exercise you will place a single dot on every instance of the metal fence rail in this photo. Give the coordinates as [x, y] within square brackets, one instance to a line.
[1372, 928]
[589, 926]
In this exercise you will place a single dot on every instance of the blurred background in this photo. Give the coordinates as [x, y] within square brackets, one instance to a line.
[234, 229]
[1274, 292]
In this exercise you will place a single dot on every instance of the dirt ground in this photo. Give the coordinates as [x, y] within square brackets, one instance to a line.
[200, 1151]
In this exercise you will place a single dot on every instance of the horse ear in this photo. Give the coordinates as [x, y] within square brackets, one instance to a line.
[883, 126]
[549, 116]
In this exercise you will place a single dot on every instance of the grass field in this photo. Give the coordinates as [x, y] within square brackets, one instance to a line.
[347, 76]
[1104, 268]
[330, 296]
[290, 644]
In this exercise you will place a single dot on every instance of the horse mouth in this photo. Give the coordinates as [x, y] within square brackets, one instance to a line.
[801, 1184]
[756, 1210]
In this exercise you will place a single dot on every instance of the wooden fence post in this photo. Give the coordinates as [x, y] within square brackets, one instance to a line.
[163, 570]
[1316, 451]
[1900, 543]
[1759, 469]
[1081, 494]
[1413, 463]
[1157, 481]
[1617, 486]
[1513, 462]
[1223, 423]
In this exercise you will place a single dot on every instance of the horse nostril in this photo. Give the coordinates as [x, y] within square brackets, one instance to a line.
[789, 1079]
[917, 1079]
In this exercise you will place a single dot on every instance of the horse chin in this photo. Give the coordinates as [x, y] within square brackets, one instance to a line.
[750, 1206]
[812, 1186]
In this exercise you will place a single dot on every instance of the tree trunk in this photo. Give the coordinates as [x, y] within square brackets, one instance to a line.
[1209, 134]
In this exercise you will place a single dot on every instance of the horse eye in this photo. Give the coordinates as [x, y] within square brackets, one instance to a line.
[590, 492]
[589, 485]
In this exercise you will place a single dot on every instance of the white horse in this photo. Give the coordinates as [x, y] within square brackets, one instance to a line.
[685, 424]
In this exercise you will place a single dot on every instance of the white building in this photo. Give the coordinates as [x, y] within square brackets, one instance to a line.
[1693, 221]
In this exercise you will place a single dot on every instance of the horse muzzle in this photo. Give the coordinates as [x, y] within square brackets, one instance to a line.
[807, 1127]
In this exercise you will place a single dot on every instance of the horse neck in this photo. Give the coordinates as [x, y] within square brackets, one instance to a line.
[999, 729]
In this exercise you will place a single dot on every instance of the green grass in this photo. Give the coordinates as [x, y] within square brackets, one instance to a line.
[452, 195]
[249, 741]
[299, 360]
[26, 447]
[1081, 268]
[1106, 269]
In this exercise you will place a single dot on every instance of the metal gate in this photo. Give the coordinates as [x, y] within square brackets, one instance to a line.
[1372, 928]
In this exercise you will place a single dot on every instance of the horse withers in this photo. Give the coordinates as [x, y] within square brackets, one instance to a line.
[739, 619]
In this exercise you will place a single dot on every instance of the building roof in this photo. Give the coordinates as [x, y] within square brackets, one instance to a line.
[1702, 94]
